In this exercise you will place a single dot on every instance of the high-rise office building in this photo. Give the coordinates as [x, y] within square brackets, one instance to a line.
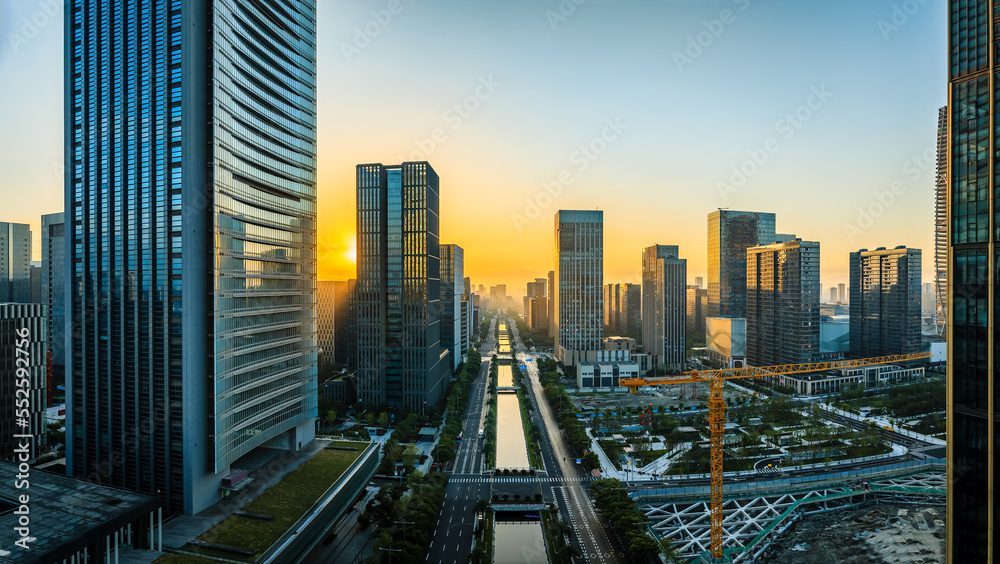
[401, 363]
[885, 302]
[452, 262]
[941, 224]
[468, 315]
[833, 295]
[783, 292]
[579, 275]
[622, 309]
[15, 262]
[550, 304]
[536, 305]
[326, 325]
[190, 200]
[699, 282]
[344, 330]
[664, 305]
[35, 275]
[612, 308]
[54, 293]
[730, 234]
[971, 278]
[22, 328]
[841, 293]
[697, 306]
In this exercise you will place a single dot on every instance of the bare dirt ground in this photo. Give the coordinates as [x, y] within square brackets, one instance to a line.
[873, 534]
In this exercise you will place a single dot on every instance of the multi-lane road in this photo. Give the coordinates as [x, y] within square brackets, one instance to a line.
[454, 532]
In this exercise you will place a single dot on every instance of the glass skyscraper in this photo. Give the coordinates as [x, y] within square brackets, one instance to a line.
[730, 234]
[54, 289]
[401, 363]
[579, 299]
[15, 262]
[191, 251]
[974, 230]
[452, 261]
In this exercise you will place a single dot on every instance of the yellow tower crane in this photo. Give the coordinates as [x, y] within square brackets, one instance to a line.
[717, 410]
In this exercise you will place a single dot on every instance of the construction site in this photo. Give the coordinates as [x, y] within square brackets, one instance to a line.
[752, 512]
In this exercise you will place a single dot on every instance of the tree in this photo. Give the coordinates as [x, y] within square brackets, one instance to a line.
[370, 418]
[331, 416]
[481, 506]
[383, 419]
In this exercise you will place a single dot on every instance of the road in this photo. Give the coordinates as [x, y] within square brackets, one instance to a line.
[563, 478]
[453, 538]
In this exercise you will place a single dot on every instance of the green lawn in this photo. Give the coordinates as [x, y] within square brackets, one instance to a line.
[287, 500]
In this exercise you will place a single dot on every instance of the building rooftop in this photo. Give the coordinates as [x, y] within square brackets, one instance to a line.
[64, 514]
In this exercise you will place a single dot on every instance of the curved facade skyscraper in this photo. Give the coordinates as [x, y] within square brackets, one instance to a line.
[191, 239]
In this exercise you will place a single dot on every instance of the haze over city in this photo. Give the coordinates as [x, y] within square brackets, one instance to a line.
[644, 110]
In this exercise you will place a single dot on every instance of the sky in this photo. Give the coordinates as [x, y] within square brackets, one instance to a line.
[657, 112]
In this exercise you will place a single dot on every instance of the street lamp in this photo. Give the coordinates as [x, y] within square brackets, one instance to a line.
[404, 524]
[390, 551]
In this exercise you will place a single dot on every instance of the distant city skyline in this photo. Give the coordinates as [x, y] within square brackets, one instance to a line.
[516, 109]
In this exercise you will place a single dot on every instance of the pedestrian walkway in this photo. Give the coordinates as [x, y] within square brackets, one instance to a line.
[522, 479]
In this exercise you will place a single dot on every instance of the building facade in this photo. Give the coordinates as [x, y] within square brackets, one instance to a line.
[730, 234]
[941, 224]
[664, 306]
[551, 304]
[15, 262]
[452, 285]
[54, 294]
[23, 340]
[697, 307]
[971, 279]
[401, 363]
[726, 340]
[885, 302]
[579, 275]
[325, 328]
[783, 303]
[190, 201]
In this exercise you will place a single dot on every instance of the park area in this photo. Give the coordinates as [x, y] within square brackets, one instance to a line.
[286, 502]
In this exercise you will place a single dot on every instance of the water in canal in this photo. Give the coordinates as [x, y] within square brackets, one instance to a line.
[512, 449]
[518, 543]
[505, 376]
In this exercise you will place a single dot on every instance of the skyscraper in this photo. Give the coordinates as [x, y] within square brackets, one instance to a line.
[971, 278]
[54, 291]
[326, 326]
[401, 363]
[841, 293]
[783, 295]
[699, 282]
[622, 309]
[452, 285]
[885, 302]
[190, 198]
[579, 274]
[15, 262]
[345, 349]
[697, 305]
[941, 224]
[664, 305]
[730, 234]
[550, 304]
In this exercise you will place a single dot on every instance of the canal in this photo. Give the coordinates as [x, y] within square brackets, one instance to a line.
[518, 542]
